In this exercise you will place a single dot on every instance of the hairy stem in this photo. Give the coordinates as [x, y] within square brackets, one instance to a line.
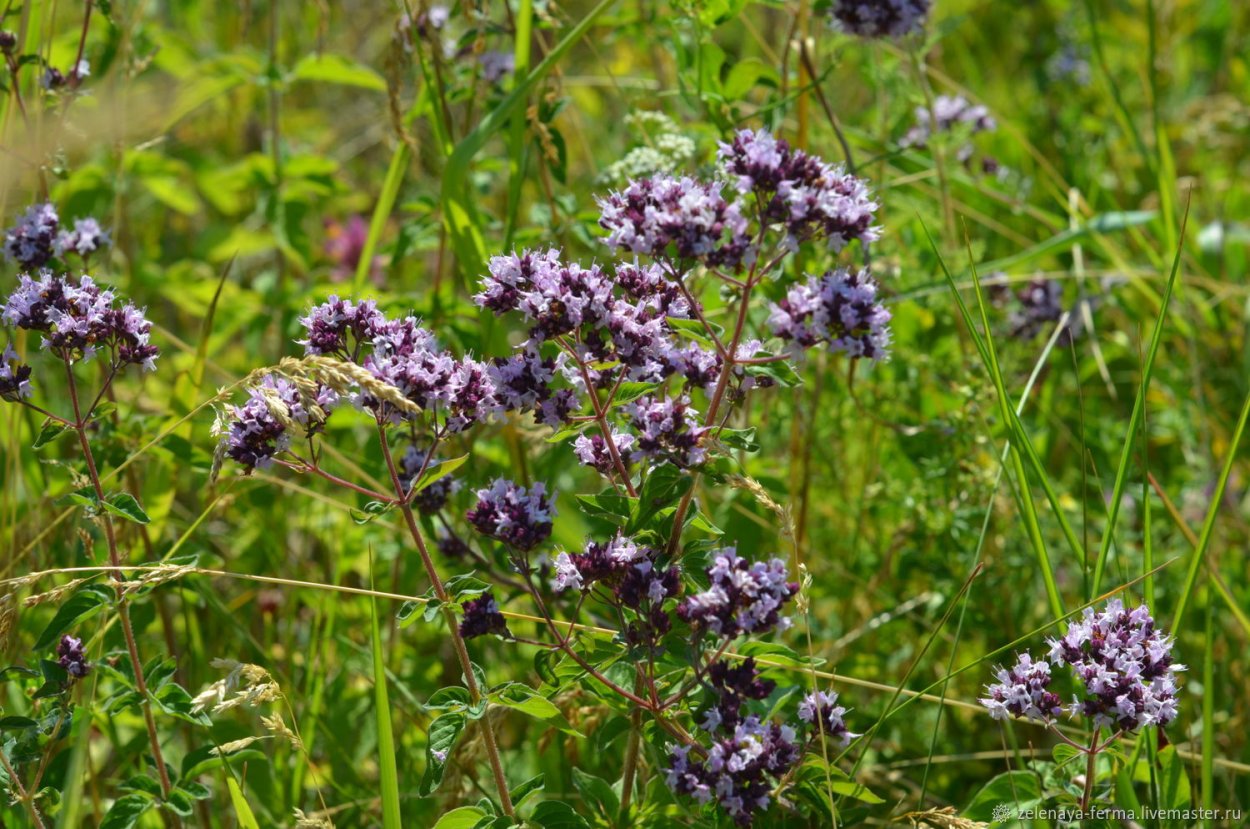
[20, 791]
[1090, 770]
[462, 652]
[601, 417]
[123, 610]
[631, 758]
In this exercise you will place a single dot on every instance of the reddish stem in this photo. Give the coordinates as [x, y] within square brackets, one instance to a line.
[123, 610]
[462, 652]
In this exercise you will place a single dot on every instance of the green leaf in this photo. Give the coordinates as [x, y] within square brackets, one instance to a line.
[520, 697]
[83, 603]
[430, 610]
[1020, 789]
[195, 790]
[857, 791]
[746, 74]
[51, 431]
[466, 817]
[663, 487]
[1174, 791]
[205, 759]
[174, 700]
[554, 814]
[437, 471]
[329, 68]
[780, 372]
[387, 770]
[126, 811]
[608, 505]
[16, 723]
[242, 811]
[527, 789]
[466, 586]
[86, 498]
[565, 432]
[381, 212]
[142, 783]
[444, 732]
[597, 793]
[453, 697]
[180, 803]
[743, 439]
[124, 505]
[630, 391]
[371, 510]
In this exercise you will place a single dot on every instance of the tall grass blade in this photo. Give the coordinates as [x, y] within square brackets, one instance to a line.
[1208, 525]
[1126, 454]
[1027, 507]
[460, 212]
[381, 212]
[387, 770]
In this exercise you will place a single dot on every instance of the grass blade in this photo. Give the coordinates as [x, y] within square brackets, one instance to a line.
[387, 770]
[1208, 525]
[1027, 508]
[242, 811]
[1121, 475]
[460, 214]
[381, 212]
[1208, 715]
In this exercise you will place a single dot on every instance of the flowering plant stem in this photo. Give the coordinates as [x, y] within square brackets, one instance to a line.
[123, 610]
[21, 793]
[1091, 760]
[462, 652]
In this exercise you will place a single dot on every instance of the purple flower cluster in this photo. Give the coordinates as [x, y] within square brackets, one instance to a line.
[482, 616]
[72, 657]
[1023, 691]
[519, 517]
[433, 497]
[330, 325]
[950, 112]
[733, 684]
[255, 434]
[739, 769]
[78, 318]
[821, 710]
[683, 218]
[496, 65]
[798, 192]
[557, 298]
[742, 597]
[523, 383]
[1040, 305]
[452, 546]
[14, 376]
[594, 324]
[840, 309]
[407, 356]
[880, 18]
[1124, 663]
[403, 354]
[86, 238]
[667, 428]
[32, 241]
[592, 450]
[628, 569]
[37, 237]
